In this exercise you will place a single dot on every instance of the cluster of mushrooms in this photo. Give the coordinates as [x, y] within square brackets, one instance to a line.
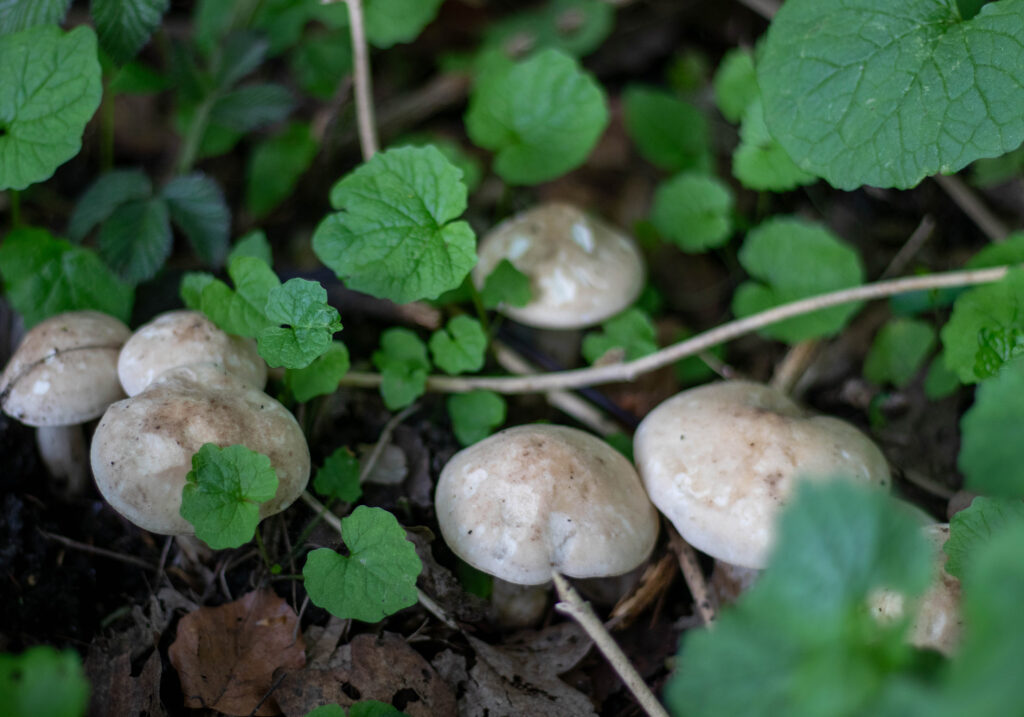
[717, 461]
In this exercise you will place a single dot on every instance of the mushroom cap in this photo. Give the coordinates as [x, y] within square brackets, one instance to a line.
[720, 460]
[537, 498]
[582, 270]
[65, 370]
[142, 448]
[179, 338]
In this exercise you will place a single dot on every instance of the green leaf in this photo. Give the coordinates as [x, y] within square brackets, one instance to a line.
[694, 211]
[472, 170]
[49, 89]
[321, 377]
[402, 360]
[759, 162]
[506, 285]
[395, 238]
[136, 78]
[940, 381]
[124, 26]
[253, 244]
[240, 311]
[886, 92]
[735, 84]
[241, 52]
[542, 116]
[670, 133]
[275, 166]
[321, 61]
[991, 452]
[44, 276]
[576, 27]
[973, 527]
[631, 332]
[898, 352]
[459, 347]
[377, 577]
[793, 259]
[1008, 251]
[374, 708]
[283, 21]
[135, 240]
[105, 195]
[18, 15]
[197, 207]
[986, 328]
[475, 415]
[223, 492]
[191, 289]
[989, 172]
[309, 320]
[43, 681]
[393, 21]
[327, 711]
[252, 106]
[338, 478]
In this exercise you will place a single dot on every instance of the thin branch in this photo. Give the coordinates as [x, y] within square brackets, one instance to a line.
[972, 206]
[693, 576]
[363, 81]
[614, 373]
[93, 550]
[384, 440]
[573, 606]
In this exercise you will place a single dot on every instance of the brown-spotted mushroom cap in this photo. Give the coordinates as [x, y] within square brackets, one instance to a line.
[720, 460]
[179, 338]
[142, 448]
[581, 269]
[65, 370]
[537, 498]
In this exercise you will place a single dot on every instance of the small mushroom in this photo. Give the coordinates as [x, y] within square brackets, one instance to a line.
[179, 338]
[142, 448]
[63, 374]
[582, 270]
[720, 461]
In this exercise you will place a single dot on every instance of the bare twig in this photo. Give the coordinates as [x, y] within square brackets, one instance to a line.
[383, 440]
[573, 606]
[363, 81]
[910, 247]
[693, 576]
[598, 375]
[93, 550]
[972, 206]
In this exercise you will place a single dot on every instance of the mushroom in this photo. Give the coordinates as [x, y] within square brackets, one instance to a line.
[582, 270]
[142, 448]
[63, 374]
[178, 338]
[720, 460]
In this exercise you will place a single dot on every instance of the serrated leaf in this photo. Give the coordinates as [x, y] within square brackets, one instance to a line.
[44, 276]
[506, 285]
[542, 116]
[472, 171]
[309, 320]
[735, 84]
[974, 526]
[49, 89]
[886, 92]
[275, 166]
[253, 244]
[124, 26]
[241, 311]
[223, 492]
[135, 240]
[321, 377]
[197, 207]
[402, 360]
[377, 577]
[105, 195]
[392, 21]
[759, 162]
[669, 132]
[18, 15]
[986, 328]
[338, 478]
[394, 237]
[991, 452]
[793, 259]
[251, 107]
[898, 352]
[632, 332]
[475, 415]
[694, 211]
[320, 62]
[459, 347]
[577, 27]
[43, 681]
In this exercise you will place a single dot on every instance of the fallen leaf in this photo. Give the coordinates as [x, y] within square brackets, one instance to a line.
[226, 656]
[115, 691]
[551, 650]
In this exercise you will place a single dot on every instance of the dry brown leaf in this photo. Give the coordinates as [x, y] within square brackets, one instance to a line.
[116, 692]
[555, 649]
[226, 656]
[371, 667]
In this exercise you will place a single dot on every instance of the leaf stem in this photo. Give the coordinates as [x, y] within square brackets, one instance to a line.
[614, 373]
[194, 135]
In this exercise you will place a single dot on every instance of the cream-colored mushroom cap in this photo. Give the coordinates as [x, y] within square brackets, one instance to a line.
[720, 460]
[533, 499]
[179, 338]
[142, 448]
[581, 269]
[65, 370]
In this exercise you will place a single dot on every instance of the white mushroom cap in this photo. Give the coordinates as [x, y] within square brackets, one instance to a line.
[142, 448]
[581, 269]
[532, 499]
[65, 370]
[720, 460]
[179, 338]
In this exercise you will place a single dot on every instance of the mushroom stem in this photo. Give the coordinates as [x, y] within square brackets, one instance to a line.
[573, 606]
[65, 455]
[517, 606]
